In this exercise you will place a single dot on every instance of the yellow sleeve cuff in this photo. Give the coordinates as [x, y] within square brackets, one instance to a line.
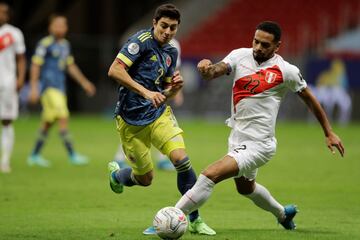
[70, 60]
[168, 79]
[124, 59]
[37, 60]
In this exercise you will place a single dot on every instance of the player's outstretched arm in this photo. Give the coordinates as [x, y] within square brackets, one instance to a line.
[210, 71]
[332, 140]
[21, 70]
[118, 72]
[79, 77]
[34, 82]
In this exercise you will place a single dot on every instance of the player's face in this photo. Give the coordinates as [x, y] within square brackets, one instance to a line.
[264, 46]
[58, 27]
[4, 14]
[165, 29]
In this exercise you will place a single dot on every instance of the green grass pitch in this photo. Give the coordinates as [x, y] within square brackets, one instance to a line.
[68, 202]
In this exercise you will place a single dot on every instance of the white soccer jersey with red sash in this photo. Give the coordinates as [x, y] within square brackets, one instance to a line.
[11, 43]
[257, 92]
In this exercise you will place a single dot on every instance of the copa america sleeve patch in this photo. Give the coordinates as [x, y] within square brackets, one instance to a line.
[133, 48]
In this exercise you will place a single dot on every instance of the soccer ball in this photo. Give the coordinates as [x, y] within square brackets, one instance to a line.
[170, 223]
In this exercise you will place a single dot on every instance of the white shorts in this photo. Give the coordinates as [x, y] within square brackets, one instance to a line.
[250, 154]
[9, 104]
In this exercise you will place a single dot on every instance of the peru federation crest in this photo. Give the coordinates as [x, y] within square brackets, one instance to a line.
[270, 77]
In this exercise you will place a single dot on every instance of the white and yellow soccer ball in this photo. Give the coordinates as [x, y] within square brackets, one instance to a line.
[170, 223]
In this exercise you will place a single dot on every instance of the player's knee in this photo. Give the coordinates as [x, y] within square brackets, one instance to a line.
[145, 180]
[177, 155]
[211, 173]
[245, 187]
[6, 122]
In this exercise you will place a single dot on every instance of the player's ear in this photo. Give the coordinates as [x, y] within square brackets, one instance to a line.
[154, 22]
[277, 46]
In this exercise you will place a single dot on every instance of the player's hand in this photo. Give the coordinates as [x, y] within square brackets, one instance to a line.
[156, 98]
[334, 141]
[177, 81]
[203, 66]
[33, 95]
[89, 88]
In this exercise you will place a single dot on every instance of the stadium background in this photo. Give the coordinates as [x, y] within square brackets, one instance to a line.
[314, 33]
[67, 202]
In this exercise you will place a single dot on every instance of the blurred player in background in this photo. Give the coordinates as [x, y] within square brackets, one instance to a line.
[261, 79]
[163, 162]
[12, 74]
[51, 59]
[146, 70]
[332, 91]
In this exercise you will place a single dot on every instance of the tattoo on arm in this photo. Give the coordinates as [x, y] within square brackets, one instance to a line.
[219, 69]
[216, 70]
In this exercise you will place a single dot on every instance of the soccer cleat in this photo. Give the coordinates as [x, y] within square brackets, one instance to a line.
[290, 212]
[115, 186]
[38, 160]
[78, 159]
[165, 164]
[150, 231]
[200, 227]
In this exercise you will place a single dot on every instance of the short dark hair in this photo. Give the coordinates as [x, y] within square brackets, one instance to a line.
[53, 16]
[5, 4]
[272, 28]
[167, 10]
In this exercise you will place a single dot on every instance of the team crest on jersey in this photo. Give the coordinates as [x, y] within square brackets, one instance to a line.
[133, 48]
[270, 77]
[6, 40]
[168, 60]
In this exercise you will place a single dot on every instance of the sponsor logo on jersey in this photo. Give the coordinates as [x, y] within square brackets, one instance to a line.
[153, 58]
[133, 48]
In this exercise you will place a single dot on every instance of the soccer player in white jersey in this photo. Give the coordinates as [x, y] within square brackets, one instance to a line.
[12, 74]
[261, 78]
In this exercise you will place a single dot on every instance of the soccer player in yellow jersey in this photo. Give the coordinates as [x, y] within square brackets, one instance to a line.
[51, 60]
[145, 70]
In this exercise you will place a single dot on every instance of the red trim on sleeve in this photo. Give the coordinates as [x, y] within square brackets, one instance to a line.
[121, 63]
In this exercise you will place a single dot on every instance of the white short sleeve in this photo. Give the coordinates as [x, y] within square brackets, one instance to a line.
[231, 59]
[19, 42]
[293, 78]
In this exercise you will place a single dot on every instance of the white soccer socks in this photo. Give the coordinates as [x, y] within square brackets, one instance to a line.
[263, 199]
[7, 143]
[196, 196]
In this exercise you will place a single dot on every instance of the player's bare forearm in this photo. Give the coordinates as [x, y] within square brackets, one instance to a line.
[76, 74]
[316, 109]
[34, 75]
[120, 75]
[171, 92]
[21, 69]
[34, 80]
[210, 71]
[80, 78]
[332, 140]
